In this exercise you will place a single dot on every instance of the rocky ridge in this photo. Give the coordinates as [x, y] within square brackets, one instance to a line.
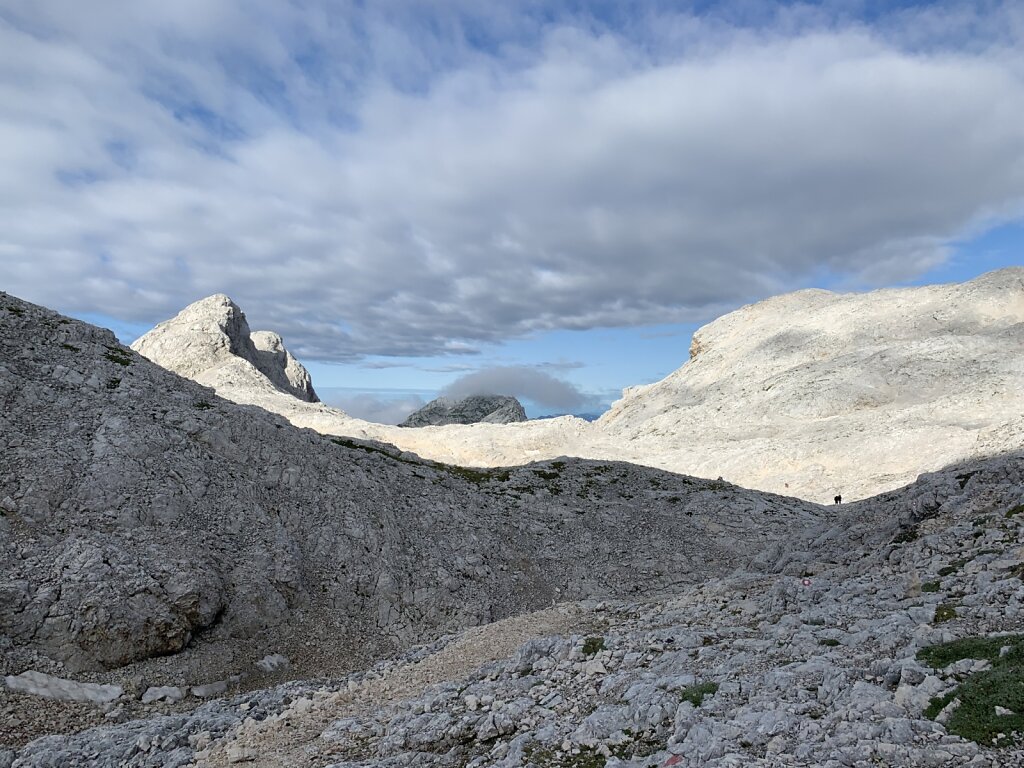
[826, 663]
[474, 409]
[810, 394]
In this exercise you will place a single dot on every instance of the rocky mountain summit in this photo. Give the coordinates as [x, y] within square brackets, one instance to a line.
[810, 394]
[474, 409]
[856, 393]
[209, 341]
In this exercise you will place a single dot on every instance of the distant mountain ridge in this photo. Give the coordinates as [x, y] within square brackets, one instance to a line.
[811, 393]
[473, 409]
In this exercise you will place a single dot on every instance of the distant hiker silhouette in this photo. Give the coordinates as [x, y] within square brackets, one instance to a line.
[839, 499]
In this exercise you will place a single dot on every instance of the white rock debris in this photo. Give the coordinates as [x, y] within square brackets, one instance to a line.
[41, 684]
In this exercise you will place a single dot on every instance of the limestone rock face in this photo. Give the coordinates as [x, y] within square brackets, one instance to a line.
[487, 409]
[209, 341]
[696, 620]
[811, 394]
[817, 393]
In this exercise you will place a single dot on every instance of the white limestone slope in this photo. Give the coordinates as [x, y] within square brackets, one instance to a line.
[808, 394]
[814, 391]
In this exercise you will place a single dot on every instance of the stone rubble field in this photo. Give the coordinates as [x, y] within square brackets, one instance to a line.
[823, 664]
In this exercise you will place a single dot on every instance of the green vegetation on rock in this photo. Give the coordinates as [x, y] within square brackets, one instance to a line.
[1001, 686]
[593, 646]
[118, 355]
[945, 612]
[695, 693]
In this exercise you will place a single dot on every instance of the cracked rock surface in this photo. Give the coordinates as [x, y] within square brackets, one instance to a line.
[161, 543]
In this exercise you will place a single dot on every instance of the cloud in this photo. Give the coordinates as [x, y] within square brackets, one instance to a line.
[436, 180]
[522, 382]
[382, 364]
[375, 408]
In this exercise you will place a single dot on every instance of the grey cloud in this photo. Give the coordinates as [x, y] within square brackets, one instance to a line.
[382, 364]
[519, 381]
[577, 178]
[560, 365]
[372, 407]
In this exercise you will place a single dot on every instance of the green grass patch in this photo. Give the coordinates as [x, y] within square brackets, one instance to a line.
[953, 567]
[828, 642]
[477, 476]
[945, 612]
[982, 692]
[1019, 509]
[202, 405]
[71, 347]
[937, 704]
[988, 648]
[15, 311]
[930, 586]
[593, 646]
[695, 693]
[118, 355]
[113, 382]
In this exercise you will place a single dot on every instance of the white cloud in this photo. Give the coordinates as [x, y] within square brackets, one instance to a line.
[376, 408]
[374, 187]
[522, 382]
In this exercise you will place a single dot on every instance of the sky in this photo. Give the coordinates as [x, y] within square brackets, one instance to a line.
[542, 198]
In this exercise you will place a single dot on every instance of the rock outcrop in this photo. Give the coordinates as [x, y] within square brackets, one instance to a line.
[474, 409]
[811, 394]
[210, 342]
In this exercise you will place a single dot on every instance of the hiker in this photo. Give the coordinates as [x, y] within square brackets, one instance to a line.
[839, 499]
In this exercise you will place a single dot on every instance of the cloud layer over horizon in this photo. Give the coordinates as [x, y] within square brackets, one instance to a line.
[522, 382]
[444, 179]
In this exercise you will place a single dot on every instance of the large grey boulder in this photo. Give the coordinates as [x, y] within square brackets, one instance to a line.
[474, 409]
